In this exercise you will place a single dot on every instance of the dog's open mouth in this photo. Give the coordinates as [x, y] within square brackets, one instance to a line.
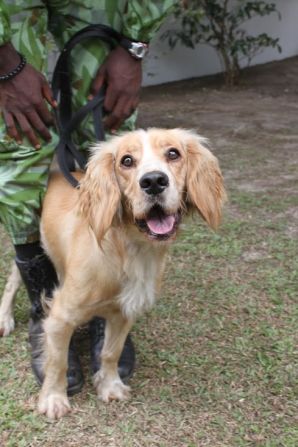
[159, 225]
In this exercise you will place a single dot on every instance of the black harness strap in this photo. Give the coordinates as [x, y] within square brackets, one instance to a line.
[67, 153]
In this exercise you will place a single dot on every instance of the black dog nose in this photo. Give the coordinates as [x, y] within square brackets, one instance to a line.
[154, 182]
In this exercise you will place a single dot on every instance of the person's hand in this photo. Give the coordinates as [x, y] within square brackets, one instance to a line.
[23, 100]
[122, 75]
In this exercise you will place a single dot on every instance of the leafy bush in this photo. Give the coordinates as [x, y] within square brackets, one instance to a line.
[218, 23]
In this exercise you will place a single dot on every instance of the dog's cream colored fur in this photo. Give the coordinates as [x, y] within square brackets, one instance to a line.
[106, 265]
[6, 307]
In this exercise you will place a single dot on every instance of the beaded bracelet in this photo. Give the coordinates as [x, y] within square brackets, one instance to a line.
[16, 70]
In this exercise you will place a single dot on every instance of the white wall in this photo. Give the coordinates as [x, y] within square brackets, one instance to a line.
[165, 65]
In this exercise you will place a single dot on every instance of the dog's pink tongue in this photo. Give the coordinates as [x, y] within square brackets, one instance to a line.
[161, 226]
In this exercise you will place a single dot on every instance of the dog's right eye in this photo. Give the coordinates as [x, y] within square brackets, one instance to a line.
[127, 161]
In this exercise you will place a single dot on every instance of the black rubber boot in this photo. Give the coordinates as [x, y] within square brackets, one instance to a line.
[39, 277]
[127, 359]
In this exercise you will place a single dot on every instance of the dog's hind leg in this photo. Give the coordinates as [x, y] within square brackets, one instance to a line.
[6, 309]
[107, 381]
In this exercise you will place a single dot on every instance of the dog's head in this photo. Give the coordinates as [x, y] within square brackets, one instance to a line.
[149, 179]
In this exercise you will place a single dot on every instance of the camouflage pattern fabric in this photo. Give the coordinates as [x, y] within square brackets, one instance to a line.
[23, 169]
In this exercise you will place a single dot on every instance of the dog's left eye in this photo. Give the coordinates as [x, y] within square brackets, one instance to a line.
[173, 154]
[127, 161]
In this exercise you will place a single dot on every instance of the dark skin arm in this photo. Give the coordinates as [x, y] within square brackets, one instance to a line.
[122, 75]
[23, 100]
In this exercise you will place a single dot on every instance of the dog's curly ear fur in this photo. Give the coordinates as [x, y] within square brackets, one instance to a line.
[205, 187]
[99, 194]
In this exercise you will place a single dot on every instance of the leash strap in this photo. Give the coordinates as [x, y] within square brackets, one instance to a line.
[67, 122]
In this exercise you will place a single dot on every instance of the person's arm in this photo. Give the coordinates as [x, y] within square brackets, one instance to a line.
[142, 18]
[22, 97]
[121, 72]
[5, 31]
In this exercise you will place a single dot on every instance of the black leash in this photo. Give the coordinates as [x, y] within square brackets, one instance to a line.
[67, 153]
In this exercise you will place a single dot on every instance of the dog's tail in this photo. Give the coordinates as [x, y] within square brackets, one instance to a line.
[6, 309]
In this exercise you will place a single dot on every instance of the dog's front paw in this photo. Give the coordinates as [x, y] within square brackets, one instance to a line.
[54, 406]
[6, 325]
[108, 389]
[113, 391]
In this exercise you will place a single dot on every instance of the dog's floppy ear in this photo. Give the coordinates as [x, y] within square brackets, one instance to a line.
[205, 188]
[99, 194]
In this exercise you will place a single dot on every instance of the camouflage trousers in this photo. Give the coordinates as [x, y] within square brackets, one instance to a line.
[23, 169]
